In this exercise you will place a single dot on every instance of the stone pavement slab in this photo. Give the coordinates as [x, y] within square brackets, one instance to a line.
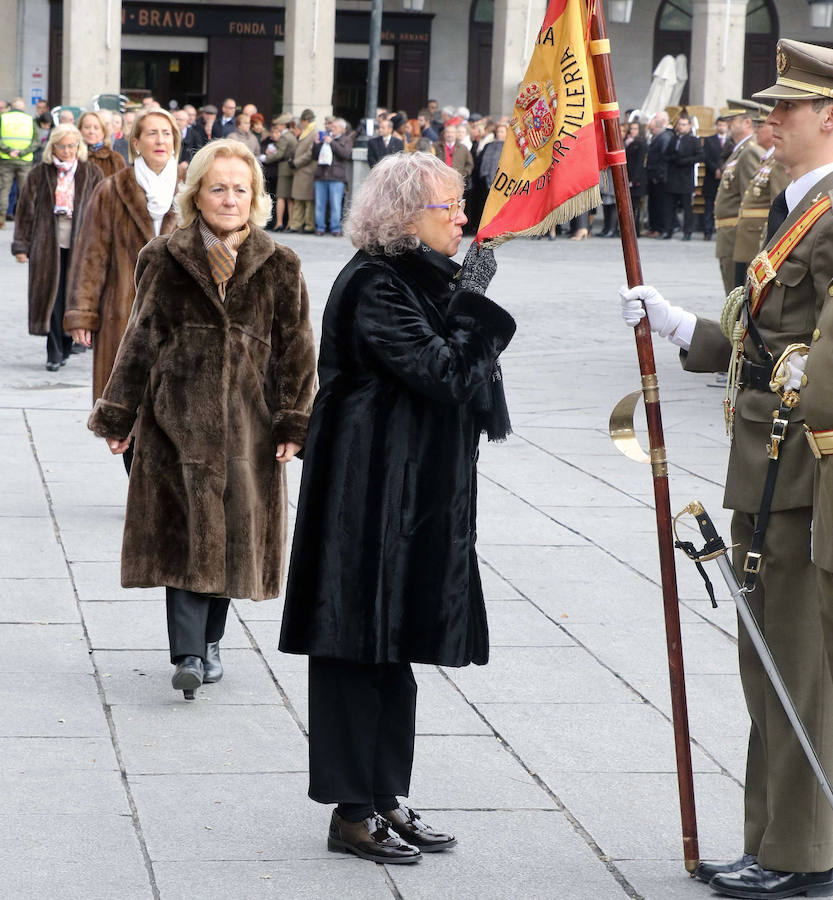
[554, 764]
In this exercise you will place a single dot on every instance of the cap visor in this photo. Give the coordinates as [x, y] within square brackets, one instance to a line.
[782, 92]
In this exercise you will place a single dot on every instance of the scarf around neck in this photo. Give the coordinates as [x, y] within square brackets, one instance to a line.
[65, 188]
[159, 188]
[222, 254]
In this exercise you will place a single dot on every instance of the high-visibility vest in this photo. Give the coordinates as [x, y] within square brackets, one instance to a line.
[16, 131]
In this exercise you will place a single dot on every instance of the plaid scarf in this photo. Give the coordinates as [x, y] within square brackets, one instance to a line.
[222, 254]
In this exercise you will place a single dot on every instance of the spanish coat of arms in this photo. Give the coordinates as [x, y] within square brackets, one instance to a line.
[534, 121]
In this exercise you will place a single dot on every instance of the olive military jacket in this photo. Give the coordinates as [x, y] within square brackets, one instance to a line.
[798, 299]
[816, 251]
[738, 171]
[766, 184]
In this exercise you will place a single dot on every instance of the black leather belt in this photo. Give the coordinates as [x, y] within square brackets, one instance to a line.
[755, 375]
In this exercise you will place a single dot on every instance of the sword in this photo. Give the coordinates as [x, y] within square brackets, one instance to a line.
[714, 548]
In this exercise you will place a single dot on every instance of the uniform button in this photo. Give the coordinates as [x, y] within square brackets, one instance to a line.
[803, 380]
[816, 334]
[777, 283]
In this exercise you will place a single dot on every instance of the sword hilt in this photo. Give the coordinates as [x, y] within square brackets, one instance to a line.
[713, 547]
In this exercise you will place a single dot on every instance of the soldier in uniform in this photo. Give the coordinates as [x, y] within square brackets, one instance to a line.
[766, 184]
[788, 827]
[738, 170]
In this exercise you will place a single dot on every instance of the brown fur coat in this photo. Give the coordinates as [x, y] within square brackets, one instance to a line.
[101, 287]
[34, 234]
[216, 387]
[108, 161]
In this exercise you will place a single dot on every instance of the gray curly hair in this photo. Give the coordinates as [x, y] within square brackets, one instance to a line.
[384, 213]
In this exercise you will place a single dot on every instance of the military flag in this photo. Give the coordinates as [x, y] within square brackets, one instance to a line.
[555, 149]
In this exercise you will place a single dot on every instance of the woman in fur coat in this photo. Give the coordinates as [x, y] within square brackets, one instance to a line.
[49, 215]
[96, 134]
[383, 570]
[215, 376]
[126, 211]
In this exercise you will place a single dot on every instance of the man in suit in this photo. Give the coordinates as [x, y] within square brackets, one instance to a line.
[186, 148]
[788, 829]
[454, 153]
[657, 172]
[682, 152]
[426, 127]
[713, 147]
[383, 144]
[224, 124]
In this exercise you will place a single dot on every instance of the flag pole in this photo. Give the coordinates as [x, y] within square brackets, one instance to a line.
[600, 49]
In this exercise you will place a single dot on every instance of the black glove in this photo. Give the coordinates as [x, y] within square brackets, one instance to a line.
[478, 269]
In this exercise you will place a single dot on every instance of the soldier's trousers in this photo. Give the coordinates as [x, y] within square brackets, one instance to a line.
[727, 273]
[788, 821]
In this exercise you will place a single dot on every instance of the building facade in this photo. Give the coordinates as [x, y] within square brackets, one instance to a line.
[313, 53]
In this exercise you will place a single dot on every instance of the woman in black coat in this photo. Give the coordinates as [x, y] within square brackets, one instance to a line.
[636, 154]
[383, 570]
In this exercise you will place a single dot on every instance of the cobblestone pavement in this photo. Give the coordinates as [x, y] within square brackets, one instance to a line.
[554, 764]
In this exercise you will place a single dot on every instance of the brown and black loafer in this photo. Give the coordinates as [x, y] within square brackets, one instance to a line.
[370, 839]
[408, 824]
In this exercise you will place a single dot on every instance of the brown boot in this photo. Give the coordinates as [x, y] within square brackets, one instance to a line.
[370, 839]
[408, 824]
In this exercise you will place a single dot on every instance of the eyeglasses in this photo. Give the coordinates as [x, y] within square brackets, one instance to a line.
[454, 207]
[66, 146]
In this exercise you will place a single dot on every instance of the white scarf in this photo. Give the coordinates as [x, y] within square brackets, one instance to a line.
[159, 188]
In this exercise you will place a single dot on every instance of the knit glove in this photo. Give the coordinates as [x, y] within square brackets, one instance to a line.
[478, 269]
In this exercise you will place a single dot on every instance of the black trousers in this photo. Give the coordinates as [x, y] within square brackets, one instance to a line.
[194, 620]
[672, 198]
[59, 344]
[362, 719]
[656, 206]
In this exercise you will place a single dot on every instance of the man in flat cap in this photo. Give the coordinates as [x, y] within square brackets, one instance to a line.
[737, 172]
[788, 823]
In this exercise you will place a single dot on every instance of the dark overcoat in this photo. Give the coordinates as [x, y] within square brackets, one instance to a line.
[683, 151]
[35, 235]
[216, 386]
[383, 565]
[101, 286]
[636, 154]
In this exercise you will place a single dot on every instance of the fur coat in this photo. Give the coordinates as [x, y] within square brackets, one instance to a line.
[108, 160]
[35, 235]
[101, 287]
[383, 564]
[212, 388]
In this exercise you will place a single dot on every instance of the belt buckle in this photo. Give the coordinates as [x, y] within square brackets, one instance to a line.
[752, 564]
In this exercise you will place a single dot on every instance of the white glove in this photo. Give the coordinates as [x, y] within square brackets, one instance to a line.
[672, 322]
[789, 373]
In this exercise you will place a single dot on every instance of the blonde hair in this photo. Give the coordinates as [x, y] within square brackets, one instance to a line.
[60, 131]
[184, 201]
[139, 124]
[392, 198]
[101, 121]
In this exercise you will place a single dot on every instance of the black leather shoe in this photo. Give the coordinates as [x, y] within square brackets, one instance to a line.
[212, 668]
[370, 839]
[408, 824]
[667, 236]
[686, 237]
[705, 871]
[52, 366]
[757, 883]
[187, 676]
